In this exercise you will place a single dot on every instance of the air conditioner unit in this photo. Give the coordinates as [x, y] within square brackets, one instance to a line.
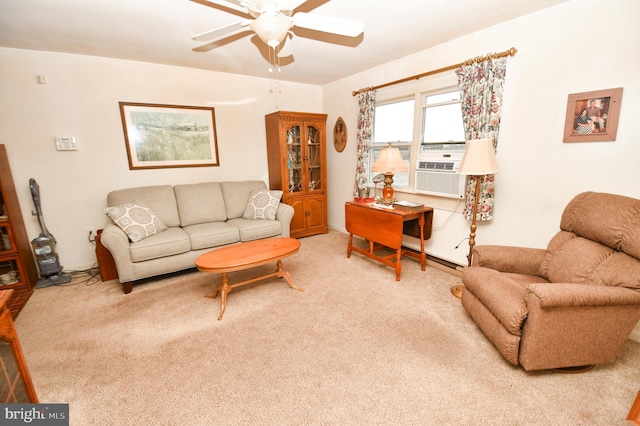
[437, 174]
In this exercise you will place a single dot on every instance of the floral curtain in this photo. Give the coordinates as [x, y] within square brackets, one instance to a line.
[481, 86]
[366, 103]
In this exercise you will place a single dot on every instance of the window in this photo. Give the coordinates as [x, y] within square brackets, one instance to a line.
[393, 124]
[442, 121]
[441, 129]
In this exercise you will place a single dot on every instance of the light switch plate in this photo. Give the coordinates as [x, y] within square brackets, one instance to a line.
[66, 143]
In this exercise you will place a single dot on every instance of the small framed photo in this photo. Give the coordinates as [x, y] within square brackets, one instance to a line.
[593, 116]
[164, 136]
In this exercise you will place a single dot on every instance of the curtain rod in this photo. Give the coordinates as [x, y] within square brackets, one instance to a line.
[510, 52]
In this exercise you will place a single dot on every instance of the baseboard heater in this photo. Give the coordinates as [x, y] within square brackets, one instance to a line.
[446, 263]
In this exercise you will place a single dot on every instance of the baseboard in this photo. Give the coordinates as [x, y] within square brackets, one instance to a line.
[434, 262]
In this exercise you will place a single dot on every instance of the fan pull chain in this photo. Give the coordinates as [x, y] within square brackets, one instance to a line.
[274, 62]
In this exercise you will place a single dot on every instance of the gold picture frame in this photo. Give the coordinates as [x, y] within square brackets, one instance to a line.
[340, 135]
[593, 116]
[161, 136]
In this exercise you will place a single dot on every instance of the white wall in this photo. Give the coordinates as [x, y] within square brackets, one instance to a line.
[558, 55]
[81, 99]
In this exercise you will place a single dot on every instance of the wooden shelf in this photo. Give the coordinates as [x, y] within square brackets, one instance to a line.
[20, 254]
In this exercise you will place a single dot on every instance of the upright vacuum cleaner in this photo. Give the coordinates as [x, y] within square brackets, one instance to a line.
[44, 248]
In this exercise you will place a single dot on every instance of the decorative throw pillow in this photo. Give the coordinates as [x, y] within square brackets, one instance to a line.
[262, 204]
[136, 220]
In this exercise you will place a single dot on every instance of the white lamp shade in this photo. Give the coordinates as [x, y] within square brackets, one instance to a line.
[479, 158]
[390, 160]
[271, 29]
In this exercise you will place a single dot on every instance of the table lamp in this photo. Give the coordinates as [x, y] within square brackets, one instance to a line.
[479, 159]
[389, 161]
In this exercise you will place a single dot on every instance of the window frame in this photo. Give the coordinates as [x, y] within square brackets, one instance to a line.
[419, 96]
[380, 145]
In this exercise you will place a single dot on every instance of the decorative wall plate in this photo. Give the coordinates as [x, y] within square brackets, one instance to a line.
[340, 135]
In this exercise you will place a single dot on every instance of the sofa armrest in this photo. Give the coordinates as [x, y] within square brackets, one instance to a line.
[518, 260]
[568, 295]
[284, 215]
[117, 242]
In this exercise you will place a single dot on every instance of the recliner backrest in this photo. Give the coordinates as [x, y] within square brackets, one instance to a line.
[609, 219]
[599, 242]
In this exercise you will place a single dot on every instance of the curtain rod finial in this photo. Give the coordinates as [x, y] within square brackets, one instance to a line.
[513, 51]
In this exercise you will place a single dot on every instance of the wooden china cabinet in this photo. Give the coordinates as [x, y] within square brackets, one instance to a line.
[296, 150]
[18, 269]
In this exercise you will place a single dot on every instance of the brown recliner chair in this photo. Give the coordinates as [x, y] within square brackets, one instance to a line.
[573, 304]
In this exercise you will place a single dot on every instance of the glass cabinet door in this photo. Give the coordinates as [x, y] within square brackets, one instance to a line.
[314, 159]
[9, 271]
[5, 239]
[294, 158]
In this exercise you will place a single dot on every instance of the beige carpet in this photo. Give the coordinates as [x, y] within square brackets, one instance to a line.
[355, 348]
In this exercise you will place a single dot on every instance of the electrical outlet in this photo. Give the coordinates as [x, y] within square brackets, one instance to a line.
[91, 234]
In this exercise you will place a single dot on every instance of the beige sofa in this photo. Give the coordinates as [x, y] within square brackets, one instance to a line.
[194, 218]
[572, 304]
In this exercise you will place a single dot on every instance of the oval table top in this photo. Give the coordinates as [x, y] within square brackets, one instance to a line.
[247, 254]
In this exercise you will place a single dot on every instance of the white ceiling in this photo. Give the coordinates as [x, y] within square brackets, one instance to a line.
[159, 31]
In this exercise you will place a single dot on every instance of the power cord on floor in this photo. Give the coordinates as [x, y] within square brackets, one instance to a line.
[88, 277]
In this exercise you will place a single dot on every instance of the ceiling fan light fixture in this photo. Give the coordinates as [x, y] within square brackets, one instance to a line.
[271, 29]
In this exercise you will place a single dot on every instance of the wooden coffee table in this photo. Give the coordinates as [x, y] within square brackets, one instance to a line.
[247, 255]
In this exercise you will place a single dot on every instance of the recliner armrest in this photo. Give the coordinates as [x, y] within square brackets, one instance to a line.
[518, 260]
[566, 295]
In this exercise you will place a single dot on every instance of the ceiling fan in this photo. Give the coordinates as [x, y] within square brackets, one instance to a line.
[272, 20]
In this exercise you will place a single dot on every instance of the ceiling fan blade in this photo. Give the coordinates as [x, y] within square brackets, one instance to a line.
[231, 4]
[328, 24]
[291, 4]
[222, 31]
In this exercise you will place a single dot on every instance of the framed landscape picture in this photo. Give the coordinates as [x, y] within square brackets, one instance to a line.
[164, 136]
[593, 116]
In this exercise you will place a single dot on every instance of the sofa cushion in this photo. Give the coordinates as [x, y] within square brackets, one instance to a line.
[236, 195]
[572, 259]
[262, 204]
[205, 235]
[168, 243]
[136, 219]
[256, 229]
[161, 199]
[200, 203]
